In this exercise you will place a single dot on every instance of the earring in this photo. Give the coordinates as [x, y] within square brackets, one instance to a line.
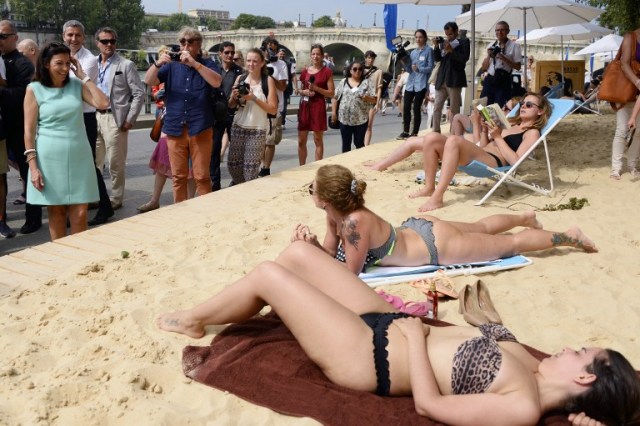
[324, 206]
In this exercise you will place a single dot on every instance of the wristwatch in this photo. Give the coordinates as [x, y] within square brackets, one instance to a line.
[85, 79]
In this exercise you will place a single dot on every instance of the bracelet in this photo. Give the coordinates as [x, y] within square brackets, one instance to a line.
[31, 156]
[155, 64]
[30, 150]
[85, 79]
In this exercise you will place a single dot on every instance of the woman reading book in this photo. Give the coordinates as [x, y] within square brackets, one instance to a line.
[456, 375]
[498, 147]
[360, 238]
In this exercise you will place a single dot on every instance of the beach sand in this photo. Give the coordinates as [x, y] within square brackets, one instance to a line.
[81, 348]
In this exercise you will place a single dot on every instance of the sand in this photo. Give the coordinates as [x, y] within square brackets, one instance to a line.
[81, 347]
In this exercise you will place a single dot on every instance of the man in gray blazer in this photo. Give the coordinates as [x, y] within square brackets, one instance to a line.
[119, 80]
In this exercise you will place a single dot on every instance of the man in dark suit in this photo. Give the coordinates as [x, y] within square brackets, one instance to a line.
[19, 74]
[118, 79]
[452, 53]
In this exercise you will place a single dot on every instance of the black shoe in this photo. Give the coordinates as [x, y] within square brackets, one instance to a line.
[264, 171]
[93, 206]
[403, 135]
[100, 218]
[414, 134]
[30, 227]
[5, 231]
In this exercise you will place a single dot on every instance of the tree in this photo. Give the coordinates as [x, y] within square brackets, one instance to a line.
[245, 20]
[287, 24]
[175, 21]
[323, 22]
[621, 14]
[149, 23]
[211, 23]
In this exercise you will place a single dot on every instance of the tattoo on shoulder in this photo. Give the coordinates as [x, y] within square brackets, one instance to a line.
[349, 229]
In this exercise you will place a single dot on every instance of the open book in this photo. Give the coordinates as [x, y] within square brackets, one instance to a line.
[493, 114]
[480, 101]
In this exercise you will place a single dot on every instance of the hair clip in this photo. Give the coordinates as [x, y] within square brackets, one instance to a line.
[354, 186]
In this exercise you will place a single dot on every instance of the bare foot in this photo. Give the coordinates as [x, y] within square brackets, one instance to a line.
[424, 192]
[530, 220]
[577, 238]
[375, 165]
[179, 322]
[431, 204]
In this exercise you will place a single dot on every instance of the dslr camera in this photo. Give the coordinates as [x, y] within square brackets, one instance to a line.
[174, 53]
[495, 49]
[269, 54]
[439, 39]
[244, 88]
[401, 53]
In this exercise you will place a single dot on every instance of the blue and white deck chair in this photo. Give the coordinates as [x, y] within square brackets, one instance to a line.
[506, 174]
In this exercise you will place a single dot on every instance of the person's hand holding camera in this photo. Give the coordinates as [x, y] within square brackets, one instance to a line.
[163, 59]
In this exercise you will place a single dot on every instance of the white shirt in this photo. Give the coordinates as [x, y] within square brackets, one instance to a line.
[512, 51]
[279, 73]
[89, 64]
[3, 69]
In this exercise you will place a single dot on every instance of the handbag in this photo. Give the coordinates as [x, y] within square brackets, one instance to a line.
[616, 87]
[156, 130]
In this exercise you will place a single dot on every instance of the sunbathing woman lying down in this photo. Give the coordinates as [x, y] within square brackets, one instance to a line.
[361, 342]
[361, 238]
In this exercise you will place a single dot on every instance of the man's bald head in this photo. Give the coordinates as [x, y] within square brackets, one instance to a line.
[29, 48]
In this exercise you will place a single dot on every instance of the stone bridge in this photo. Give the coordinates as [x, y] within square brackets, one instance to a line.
[344, 44]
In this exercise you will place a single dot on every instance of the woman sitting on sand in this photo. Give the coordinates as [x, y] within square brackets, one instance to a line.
[461, 125]
[361, 342]
[497, 148]
[361, 238]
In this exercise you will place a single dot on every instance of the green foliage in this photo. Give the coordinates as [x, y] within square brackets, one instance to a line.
[175, 22]
[621, 14]
[245, 20]
[151, 23]
[573, 204]
[287, 24]
[211, 23]
[125, 16]
[323, 22]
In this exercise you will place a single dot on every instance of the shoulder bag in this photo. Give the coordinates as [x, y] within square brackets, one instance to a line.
[156, 130]
[616, 87]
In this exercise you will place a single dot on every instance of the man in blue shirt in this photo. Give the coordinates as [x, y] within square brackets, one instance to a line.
[419, 69]
[188, 123]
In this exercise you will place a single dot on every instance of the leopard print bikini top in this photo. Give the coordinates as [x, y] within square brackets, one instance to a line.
[477, 361]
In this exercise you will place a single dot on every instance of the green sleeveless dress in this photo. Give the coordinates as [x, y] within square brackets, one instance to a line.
[64, 155]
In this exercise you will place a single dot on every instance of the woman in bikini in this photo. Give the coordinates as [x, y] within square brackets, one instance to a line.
[361, 342]
[498, 147]
[361, 238]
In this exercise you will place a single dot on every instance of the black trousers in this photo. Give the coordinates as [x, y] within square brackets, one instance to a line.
[91, 127]
[15, 144]
[219, 128]
[355, 133]
[412, 103]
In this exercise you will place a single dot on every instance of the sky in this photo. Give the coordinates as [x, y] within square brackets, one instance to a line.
[356, 14]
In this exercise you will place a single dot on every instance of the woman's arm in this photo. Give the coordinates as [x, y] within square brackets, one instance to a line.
[625, 59]
[30, 123]
[634, 114]
[474, 409]
[271, 106]
[234, 100]
[331, 240]
[511, 156]
[91, 94]
[356, 240]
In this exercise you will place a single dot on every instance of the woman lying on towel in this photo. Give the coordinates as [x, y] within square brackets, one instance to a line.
[361, 238]
[469, 126]
[498, 147]
[361, 342]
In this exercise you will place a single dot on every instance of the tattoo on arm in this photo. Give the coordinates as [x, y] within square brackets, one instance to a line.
[564, 240]
[353, 236]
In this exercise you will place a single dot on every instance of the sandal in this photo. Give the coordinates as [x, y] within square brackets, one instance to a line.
[615, 175]
[19, 201]
[444, 285]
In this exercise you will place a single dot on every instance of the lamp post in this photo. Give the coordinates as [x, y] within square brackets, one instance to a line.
[374, 19]
[312, 19]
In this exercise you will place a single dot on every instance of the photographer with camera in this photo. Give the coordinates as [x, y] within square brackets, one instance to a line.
[373, 75]
[452, 53]
[419, 66]
[254, 94]
[188, 122]
[503, 57]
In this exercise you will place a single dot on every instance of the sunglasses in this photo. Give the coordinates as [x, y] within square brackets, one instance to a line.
[6, 36]
[356, 69]
[501, 30]
[311, 190]
[506, 109]
[108, 41]
[229, 52]
[188, 40]
[528, 104]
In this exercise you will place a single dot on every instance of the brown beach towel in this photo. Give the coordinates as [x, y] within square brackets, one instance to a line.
[260, 361]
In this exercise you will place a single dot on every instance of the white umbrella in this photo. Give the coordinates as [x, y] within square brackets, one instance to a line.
[532, 13]
[582, 31]
[472, 12]
[608, 43]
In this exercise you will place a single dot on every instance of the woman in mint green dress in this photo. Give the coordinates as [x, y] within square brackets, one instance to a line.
[61, 169]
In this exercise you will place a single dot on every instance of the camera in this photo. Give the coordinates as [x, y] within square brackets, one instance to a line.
[439, 39]
[244, 88]
[401, 53]
[495, 49]
[174, 53]
[269, 54]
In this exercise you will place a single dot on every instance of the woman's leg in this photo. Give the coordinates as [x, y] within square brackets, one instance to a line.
[432, 152]
[254, 148]
[404, 150]
[417, 111]
[235, 158]
[57, 221]
[457, 152]
[496, 224]
[618, 146]
[359, 135]
[369, 130]
[302, 146]
[318, 139]
[158, 185]
[455, 246]
[460, 124]
[78, 217]
[346, 134]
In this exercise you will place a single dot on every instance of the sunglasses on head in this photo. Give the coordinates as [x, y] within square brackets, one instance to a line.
[311, 190]
[108, 41]
[188, 40]
[6, 36]
[528, 104]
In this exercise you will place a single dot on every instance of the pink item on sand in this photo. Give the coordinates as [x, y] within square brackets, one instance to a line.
[419, 309]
